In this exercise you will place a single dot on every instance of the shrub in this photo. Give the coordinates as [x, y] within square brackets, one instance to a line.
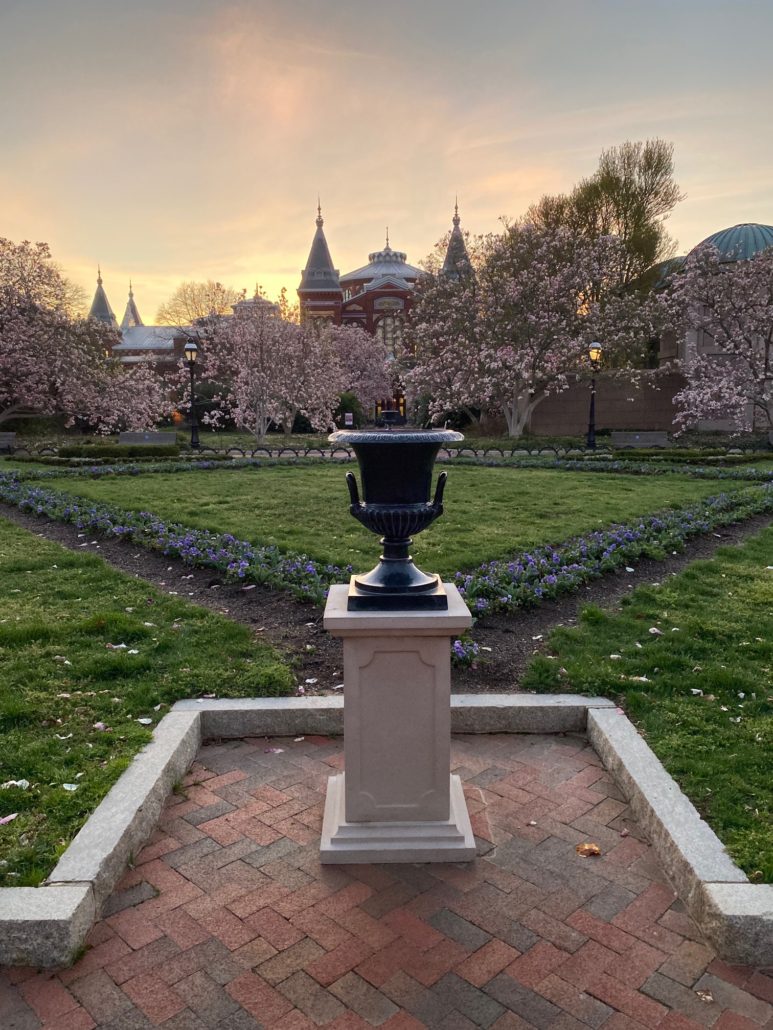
[128, 450]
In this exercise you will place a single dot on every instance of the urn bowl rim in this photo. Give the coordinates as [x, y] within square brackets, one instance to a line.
[396, 436]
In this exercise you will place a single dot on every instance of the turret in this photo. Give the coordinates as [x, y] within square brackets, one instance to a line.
[100, 306]
[131, 317]
[457, 261]
[320, 292]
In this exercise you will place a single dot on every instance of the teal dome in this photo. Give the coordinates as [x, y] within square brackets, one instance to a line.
[741, 241]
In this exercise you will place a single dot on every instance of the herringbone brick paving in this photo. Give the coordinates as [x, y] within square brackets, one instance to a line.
[229, 921]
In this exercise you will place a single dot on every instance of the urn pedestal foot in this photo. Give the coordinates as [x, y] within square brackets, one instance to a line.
[449, 840]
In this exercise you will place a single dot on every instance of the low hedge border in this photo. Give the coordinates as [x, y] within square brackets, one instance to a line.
[126, 450]
[608, 464]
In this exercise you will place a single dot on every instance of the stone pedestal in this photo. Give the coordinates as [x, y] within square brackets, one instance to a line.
[397, 801]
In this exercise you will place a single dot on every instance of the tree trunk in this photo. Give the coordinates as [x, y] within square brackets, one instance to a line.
[518, 412]
[288, 423]
[261, 424]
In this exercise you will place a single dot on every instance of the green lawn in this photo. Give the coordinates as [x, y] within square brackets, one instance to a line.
[706, 707]
[490, 512]
[9, 465]
[62, 684]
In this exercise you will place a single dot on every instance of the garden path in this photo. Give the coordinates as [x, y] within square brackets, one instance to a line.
[228, 920]
[296, 630]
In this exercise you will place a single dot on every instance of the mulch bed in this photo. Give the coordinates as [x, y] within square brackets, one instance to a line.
[296, 629]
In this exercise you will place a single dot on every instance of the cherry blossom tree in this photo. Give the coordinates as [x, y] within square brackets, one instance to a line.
[519, 327]
[728, 306]
[271, 370]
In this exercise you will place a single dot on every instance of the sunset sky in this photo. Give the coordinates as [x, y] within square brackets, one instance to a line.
[188, 139]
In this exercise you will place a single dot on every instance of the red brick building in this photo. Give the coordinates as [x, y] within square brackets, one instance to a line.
[376, 297]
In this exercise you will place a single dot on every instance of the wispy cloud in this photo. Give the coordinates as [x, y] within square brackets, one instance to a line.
[190, 139]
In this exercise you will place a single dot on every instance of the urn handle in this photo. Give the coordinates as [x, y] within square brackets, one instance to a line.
[354, 494]
[437, 501]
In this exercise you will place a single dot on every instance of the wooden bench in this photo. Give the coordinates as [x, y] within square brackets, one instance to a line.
[148, 438]
[650, 439]
[7, 442]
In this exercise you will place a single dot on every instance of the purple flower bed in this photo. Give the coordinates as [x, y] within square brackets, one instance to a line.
[545, 572]
[497, 586]
[237, 559]
[464, 652]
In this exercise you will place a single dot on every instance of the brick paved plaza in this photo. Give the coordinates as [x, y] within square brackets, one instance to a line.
[228, 919]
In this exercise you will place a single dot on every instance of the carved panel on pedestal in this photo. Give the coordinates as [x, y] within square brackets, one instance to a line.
[402, 757]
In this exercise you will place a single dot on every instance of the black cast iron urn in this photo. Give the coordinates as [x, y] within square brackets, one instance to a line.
[396, 472]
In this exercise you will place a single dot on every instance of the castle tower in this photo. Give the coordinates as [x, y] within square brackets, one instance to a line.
[100, 306]
[131, 317]
[457, 260]
[320, 294]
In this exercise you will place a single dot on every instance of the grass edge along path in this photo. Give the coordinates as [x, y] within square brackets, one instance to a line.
[691, 662]
[92, 658]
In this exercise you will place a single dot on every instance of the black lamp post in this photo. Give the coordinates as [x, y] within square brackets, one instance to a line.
[191, 353]
[594, 353]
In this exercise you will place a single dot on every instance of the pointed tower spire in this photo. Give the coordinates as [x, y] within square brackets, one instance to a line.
[131, 316]
[320, 290]
[319, 273]
[457, 260]
[387, 237]
[100, 306]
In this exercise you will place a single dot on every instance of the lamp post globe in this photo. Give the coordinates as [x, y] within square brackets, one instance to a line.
[191, 351]
[595, 353]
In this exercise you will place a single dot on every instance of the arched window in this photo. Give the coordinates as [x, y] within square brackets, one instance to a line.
[389, 330]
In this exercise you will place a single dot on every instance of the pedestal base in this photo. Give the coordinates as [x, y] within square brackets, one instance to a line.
[449, 840]
[432, 600]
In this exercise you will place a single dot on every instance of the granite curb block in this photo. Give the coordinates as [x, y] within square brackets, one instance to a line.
[45, 926]
[470, 713]
[735, 916]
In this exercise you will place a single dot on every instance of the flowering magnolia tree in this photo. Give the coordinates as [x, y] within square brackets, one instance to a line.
[446, 352]
[30, 277]
[730, 306]
[110, 398]
[516, 330]
[271, 370]
[52, 363]
[363, 362]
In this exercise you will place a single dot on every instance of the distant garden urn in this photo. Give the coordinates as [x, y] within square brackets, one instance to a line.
[396, 472]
